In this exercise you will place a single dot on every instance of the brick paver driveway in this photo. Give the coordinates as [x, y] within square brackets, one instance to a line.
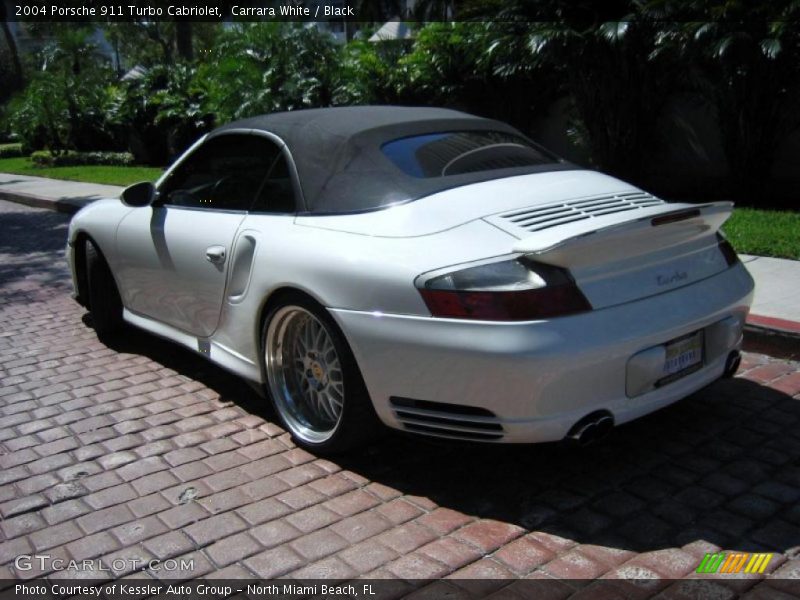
[144, 450]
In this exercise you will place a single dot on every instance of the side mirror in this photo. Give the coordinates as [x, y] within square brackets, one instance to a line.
[138, 194]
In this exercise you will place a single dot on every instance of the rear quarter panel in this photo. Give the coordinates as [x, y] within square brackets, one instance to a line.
[344, 270]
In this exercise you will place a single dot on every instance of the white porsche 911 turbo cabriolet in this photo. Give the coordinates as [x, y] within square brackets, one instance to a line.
[424, 268]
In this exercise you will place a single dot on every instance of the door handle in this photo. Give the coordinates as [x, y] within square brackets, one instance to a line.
[215, 254]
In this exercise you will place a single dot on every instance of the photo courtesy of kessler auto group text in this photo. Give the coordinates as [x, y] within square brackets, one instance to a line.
[385, 299]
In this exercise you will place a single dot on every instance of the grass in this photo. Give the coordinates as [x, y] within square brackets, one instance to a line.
[91, 174]
[765, 232]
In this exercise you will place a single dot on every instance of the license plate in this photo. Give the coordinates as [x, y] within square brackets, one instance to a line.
[683, 356]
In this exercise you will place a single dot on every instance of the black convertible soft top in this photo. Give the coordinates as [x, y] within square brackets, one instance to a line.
[340, 165]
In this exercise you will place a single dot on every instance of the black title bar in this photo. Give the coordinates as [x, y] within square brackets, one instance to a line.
[572, 11]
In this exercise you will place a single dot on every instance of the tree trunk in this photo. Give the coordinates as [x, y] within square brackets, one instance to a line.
[183, 40]
[12, 48]
[154, 33]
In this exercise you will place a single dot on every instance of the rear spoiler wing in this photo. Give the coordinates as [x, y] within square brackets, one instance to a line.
[613, 237]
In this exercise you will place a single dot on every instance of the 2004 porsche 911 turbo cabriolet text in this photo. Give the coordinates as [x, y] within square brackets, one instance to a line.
[424, 268]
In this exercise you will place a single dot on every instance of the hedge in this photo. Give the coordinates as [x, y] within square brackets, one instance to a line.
[10, 150]
[45, 158]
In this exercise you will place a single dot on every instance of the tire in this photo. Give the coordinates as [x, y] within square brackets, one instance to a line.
[313, 380]
[104, 300]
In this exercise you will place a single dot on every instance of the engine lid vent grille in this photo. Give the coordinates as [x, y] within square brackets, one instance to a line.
[552, 215]
[447, 420]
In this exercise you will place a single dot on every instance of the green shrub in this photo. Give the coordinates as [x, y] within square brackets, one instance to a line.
[257, 68]
[45, 158]
[66, 101]
[10, 150]
[160, 113]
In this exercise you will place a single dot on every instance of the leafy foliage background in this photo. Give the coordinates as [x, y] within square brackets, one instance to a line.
[616, 77]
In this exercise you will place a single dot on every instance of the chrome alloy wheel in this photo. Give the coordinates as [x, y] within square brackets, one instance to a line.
[304, 374]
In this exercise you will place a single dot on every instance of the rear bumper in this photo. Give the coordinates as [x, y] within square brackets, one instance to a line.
[539, 378]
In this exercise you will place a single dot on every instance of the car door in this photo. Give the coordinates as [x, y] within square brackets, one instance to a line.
[174, 254]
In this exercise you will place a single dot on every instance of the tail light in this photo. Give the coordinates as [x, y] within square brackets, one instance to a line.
[510, 290]
[727, 251]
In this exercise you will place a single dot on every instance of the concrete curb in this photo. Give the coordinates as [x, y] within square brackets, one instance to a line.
[64, 205]
[773, 336]
[761, 323]
[775, 343]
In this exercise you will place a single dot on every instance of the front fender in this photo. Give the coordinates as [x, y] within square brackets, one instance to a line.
[99, 221]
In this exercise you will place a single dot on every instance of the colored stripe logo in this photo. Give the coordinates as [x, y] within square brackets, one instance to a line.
[735, 562]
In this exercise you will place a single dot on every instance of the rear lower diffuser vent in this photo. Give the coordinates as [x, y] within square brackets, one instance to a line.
[447, 420]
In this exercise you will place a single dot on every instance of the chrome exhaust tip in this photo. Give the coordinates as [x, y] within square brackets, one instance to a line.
[590, 429]
[732, 363]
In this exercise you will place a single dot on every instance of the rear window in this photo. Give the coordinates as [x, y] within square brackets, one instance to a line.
[459, 152]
